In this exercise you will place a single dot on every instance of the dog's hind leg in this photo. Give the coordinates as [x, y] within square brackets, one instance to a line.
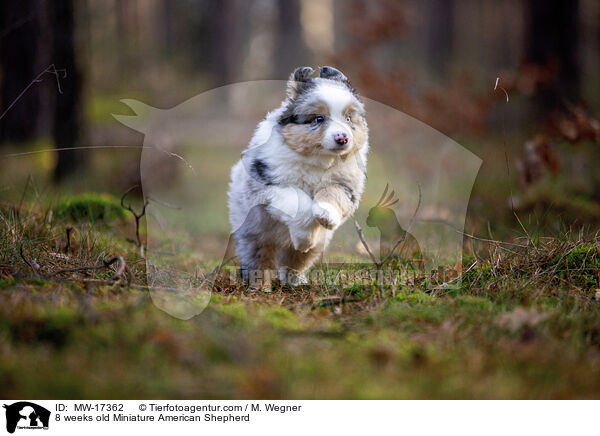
[256, 261]
[256, 253]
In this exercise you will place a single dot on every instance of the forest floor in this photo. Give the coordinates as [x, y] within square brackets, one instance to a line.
[524, 323]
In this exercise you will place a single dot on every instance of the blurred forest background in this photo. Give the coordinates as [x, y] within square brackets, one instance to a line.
[516, 82]
[437, 60]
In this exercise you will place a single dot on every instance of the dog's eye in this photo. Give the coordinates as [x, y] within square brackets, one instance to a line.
[348, 119]
[318, 119]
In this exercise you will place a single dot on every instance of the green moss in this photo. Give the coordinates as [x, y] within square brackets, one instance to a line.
[585, 255]
[235, 310]
[282, 318]
[411, 318]
[217, 298]
[90, 207]
[471, 304]
[413, 298]
[356, 291]
[583, 266]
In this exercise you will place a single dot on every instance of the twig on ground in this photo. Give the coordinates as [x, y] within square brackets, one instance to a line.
[68, 243]
[105, 264]
[33, 264]
[138, 216]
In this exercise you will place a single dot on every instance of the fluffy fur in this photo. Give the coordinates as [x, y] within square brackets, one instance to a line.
[300, 178]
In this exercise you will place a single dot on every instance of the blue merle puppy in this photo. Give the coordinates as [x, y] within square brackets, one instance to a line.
[300, 178]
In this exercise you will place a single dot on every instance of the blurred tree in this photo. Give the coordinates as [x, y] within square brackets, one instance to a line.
[128, 54]
[20, 63]
[440, 33]
[68, 109]
[552, 43]
[222, 38]
[290, 49]
[168, 26]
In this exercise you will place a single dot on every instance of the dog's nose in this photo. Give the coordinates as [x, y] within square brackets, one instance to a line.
[341, 138]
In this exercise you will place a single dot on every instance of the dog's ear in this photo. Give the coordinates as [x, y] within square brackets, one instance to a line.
[297, 79]
[332, 74]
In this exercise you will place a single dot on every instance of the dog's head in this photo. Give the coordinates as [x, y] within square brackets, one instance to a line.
[323, 115]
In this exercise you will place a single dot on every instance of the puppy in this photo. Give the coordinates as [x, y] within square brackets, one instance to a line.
[301, 176]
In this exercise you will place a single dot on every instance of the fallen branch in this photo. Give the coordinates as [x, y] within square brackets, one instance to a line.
[105, 264]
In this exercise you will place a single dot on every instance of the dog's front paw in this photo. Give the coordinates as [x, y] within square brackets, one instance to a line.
[327, 215]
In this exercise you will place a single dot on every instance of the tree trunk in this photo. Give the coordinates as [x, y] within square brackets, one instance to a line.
[221, 39]
[128, 53]
[440, 34]
[20, 31]
[68, 105]
[552, 36]
[290, 49]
